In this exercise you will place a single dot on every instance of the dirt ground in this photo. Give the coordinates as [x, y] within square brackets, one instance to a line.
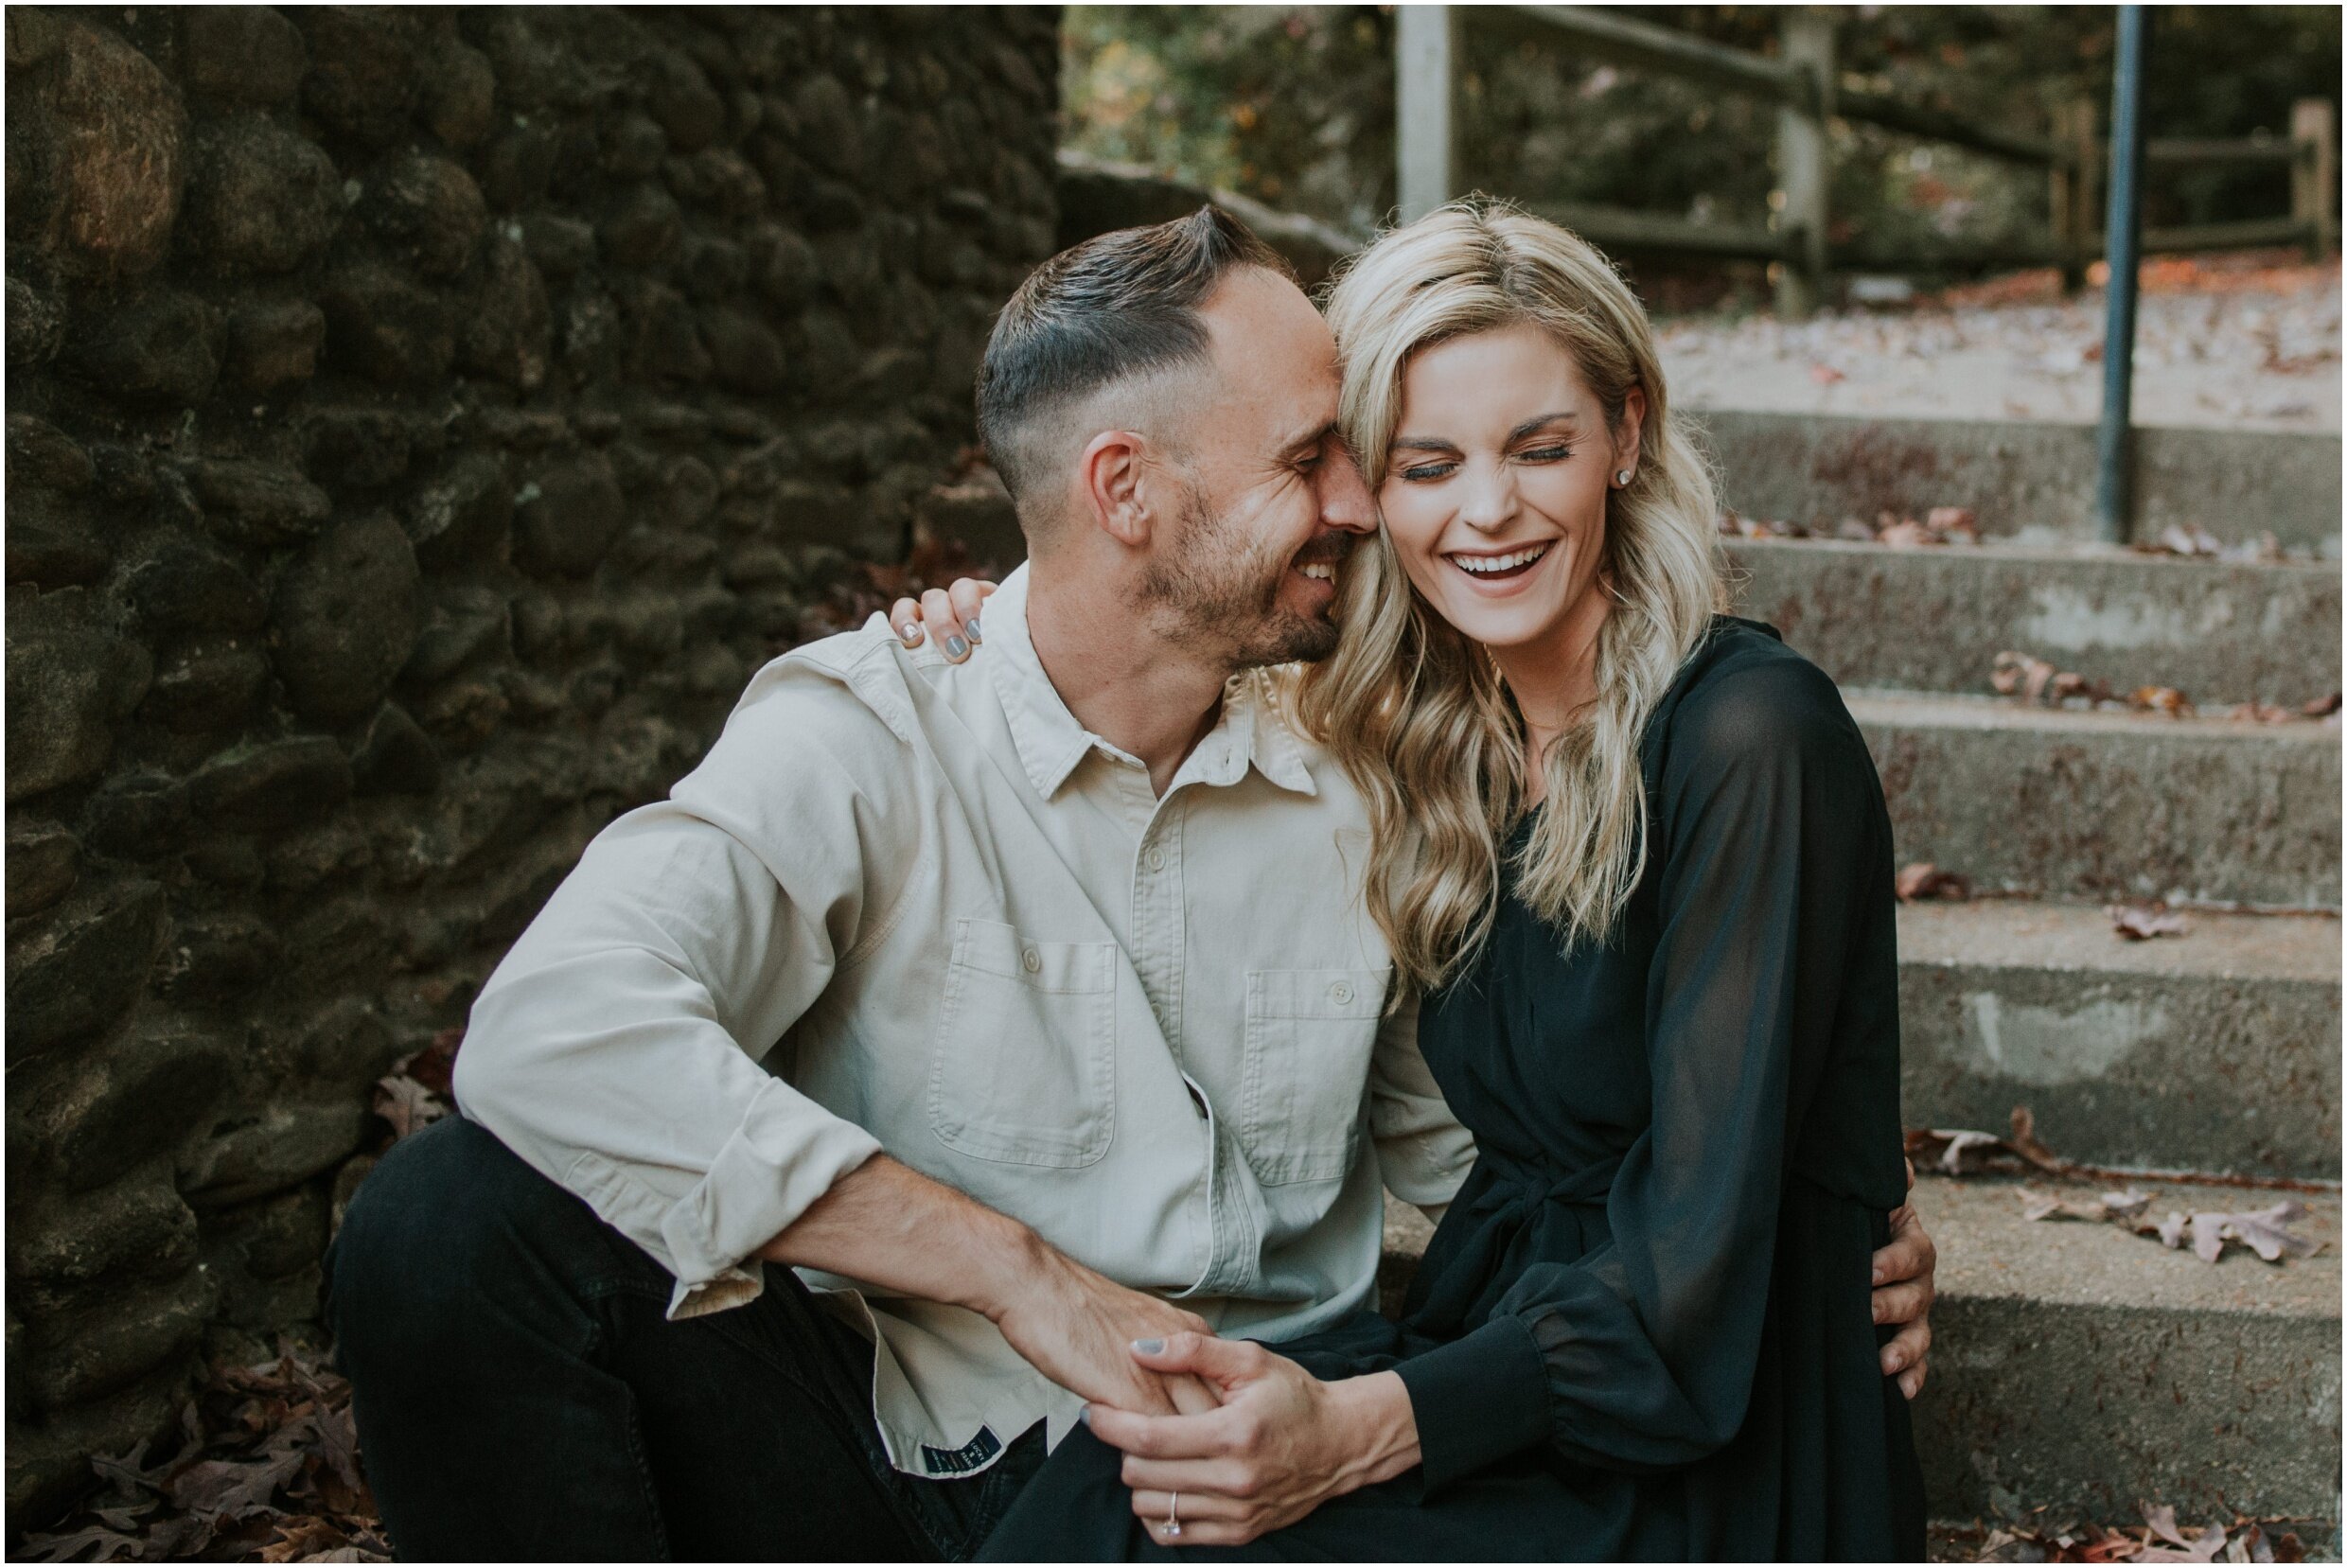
[2248, 342]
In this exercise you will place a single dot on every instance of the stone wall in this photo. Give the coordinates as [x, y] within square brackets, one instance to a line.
[420, 424]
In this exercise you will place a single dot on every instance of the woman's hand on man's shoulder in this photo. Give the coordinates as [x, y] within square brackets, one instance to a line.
[947, 616]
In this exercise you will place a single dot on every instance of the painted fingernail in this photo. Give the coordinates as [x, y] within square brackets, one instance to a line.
[1149, 1346]
[970, 627]
[955, 647]
[911, 632]
[1085, 1415]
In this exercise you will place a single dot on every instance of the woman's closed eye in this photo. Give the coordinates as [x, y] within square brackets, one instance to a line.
[1445, 468]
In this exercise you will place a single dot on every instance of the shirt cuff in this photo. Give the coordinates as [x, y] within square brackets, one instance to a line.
[1477, 1399]
[784, 1156]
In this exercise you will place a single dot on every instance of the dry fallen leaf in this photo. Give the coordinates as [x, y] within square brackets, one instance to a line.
[267, 1471]
[2263, 712]
[2143, 921]
[2112, 1208]
[406, 1104]
[2204, 1550]
[111, 1545]
[2265, 1231]
[2162, 699]
[2044, 1536]
[2019, 674]
[1925, 880]
[1962, 1151]
[216, 1490]
[2179, 538]
[2023, 1142]
[1958, 1151]
[1907, 534]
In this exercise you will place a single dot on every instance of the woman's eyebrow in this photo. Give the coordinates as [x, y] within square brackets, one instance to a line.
[1437, 444]
[1541, 421]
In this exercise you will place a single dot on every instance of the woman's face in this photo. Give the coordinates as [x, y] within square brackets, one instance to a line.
[1494, 496]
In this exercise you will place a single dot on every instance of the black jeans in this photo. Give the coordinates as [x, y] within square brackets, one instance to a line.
[521, 1393]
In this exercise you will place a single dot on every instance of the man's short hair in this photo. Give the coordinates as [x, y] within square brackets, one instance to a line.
[1118, 306]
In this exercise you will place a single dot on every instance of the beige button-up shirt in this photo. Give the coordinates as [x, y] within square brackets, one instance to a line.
[915, 906]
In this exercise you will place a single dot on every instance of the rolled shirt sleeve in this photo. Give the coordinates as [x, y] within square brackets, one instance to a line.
[1422, 1152]
[617, 1048]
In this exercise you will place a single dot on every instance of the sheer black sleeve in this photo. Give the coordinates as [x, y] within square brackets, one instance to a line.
[1768, 823]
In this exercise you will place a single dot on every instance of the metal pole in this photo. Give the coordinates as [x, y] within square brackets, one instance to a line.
[1425, 135]
[2122, 243]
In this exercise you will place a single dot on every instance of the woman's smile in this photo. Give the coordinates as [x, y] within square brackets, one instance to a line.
[1500, 572]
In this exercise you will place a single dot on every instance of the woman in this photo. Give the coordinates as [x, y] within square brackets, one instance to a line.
[1636, 853]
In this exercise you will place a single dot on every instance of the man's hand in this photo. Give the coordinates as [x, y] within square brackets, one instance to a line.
[1903, 1293]
[1281, 1443]
[1077, 1328]
[887, 1224]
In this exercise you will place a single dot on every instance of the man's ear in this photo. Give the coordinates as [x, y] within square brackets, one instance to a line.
[1112, 478]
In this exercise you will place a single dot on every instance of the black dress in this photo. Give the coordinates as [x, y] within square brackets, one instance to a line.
[1643, 1330]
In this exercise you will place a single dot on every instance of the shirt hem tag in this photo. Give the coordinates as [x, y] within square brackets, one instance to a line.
[961, 1461]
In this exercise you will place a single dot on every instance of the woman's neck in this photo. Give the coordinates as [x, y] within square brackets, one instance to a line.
[1554, 678]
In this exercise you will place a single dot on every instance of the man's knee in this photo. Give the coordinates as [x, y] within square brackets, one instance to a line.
[441, 1221]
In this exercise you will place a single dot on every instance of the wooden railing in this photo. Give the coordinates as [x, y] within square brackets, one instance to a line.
[1802, 80]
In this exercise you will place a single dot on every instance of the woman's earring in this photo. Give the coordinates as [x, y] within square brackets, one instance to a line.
[1621, 477]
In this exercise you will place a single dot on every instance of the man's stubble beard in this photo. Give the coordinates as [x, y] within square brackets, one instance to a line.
[1220, 590]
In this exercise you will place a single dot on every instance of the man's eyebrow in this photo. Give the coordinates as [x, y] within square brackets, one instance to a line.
[1310, 439]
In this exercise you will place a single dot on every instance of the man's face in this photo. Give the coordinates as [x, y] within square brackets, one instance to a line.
[1274, 501]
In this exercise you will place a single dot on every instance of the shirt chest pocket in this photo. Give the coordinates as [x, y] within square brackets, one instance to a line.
[1310, 1033]
[1024, 1067]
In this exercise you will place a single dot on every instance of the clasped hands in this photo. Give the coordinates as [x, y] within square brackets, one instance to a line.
[1249, 1440]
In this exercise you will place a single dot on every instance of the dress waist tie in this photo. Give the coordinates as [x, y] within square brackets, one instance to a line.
[1471, 1261]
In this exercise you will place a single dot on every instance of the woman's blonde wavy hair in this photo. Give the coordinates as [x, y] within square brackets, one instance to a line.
[1413, 711]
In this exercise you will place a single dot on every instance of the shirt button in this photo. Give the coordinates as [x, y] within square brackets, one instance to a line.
[1033, 960]
[1156, 860]
[1341, 993]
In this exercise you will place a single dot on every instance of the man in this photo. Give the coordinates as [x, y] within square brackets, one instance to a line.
[1026, 1009]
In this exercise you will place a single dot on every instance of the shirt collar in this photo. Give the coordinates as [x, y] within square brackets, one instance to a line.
[1251, 730]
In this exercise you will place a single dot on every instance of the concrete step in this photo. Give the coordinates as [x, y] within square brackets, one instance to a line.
[1934, 619]
[2062, 804]
[2082, 1367]
[2033, 479]
[2216, 1051]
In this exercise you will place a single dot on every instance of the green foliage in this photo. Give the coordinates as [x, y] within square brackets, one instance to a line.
[1293, 105]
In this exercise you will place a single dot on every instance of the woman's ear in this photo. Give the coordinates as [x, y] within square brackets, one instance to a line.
[1629, 429]
[1112, 475]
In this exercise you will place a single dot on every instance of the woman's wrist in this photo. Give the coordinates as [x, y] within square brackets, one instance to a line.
[1374, 1413]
